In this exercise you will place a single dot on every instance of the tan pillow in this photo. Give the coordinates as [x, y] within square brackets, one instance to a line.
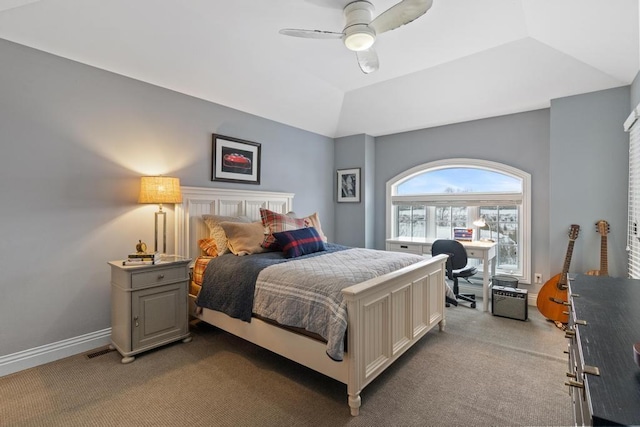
[243, 238]
[312, 220]
[217, 233]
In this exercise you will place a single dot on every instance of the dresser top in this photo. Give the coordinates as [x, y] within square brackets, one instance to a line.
[611, 308]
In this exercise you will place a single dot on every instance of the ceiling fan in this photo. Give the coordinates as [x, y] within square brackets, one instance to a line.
[361, 30]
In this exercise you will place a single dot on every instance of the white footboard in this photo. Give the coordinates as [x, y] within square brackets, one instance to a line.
[387, 315]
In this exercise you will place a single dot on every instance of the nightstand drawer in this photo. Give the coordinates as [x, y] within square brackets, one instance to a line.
[158, 276]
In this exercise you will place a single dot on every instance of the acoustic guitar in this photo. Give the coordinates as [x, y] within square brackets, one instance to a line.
[552, 298]
[602, 227]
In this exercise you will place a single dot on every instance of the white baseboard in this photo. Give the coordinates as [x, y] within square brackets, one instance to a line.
[48, 353]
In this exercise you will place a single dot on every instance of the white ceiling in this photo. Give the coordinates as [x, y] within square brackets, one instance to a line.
[463, 60]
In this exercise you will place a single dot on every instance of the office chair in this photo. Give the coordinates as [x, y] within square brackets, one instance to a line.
[456, 267]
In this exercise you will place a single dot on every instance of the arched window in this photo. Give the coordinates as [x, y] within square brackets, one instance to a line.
[430, 200]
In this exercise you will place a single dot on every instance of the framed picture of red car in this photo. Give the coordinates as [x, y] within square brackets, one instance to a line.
[235, 160]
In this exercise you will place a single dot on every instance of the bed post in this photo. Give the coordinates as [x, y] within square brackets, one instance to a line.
[354, 349]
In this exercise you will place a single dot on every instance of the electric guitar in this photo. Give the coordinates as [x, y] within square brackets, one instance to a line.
[602, 227]
[552, 298]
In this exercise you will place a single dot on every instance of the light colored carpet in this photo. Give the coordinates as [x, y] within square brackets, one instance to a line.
[483, 370]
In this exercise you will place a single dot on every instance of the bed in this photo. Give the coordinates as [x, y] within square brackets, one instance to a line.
[386, 314]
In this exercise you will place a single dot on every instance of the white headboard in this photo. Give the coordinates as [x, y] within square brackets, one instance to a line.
[197, 201]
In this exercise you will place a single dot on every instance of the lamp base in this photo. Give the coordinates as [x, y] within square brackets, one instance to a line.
[164, 231]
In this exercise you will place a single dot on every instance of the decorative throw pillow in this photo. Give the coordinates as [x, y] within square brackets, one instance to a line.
[199, 267]
[209, 246]
[277, 222]
[243, 238]
[300, 242]
[217, 233]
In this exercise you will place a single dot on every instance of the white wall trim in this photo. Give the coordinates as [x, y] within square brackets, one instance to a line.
[50, 352]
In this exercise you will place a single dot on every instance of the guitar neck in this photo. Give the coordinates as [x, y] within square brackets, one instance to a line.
[567, 262]
[604, 262]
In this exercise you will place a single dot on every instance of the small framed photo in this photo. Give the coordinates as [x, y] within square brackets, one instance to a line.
[235, 160]
[349, 185]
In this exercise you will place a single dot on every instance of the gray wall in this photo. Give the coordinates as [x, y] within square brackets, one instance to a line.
[354, 221]
[74, 142]
[589, 178]
[518, 140]
[635, 92]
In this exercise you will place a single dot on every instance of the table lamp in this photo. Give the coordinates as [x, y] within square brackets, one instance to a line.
[482, 223]
[160, 189]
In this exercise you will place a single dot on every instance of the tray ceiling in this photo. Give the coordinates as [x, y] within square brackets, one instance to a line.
[463, 60]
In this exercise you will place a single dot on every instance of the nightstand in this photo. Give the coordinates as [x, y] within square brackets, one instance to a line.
[149, 305]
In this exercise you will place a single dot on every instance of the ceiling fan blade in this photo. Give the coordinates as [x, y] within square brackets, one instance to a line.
[400, 14]
[311, 34]
[368, 60]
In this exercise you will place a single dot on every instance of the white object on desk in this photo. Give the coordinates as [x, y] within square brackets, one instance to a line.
[485, 251]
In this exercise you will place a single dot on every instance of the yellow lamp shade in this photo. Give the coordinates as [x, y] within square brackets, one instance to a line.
[160, 189]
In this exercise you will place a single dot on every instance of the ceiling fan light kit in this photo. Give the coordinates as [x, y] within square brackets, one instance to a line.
[359, 37]
[357, 34]
[360, 30]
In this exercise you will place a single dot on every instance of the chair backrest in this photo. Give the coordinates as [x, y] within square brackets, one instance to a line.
[457, 253]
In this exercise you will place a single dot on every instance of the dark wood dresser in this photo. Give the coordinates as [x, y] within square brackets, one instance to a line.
[604, 324]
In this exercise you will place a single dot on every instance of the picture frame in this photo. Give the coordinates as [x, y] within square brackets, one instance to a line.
[235, 160]
[349, 185]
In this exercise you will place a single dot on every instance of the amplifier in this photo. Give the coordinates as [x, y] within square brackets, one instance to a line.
[509, 302]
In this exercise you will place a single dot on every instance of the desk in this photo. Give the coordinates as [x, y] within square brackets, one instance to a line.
[485, 251]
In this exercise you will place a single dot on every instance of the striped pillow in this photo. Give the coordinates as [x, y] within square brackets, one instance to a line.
[199, 267]
[208, 246]
[300, 242]
[277, 222]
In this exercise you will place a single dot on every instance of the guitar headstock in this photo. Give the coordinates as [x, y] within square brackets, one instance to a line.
[602, 227]
[574, 231]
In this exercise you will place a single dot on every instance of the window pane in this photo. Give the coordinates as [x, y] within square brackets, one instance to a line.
[504, 228]
[411, 221]
[448, 217]
[459, 180]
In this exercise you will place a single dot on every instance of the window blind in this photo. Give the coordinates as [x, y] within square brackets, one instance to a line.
[633, 227]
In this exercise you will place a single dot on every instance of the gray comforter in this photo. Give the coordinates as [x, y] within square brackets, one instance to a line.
[302, 292]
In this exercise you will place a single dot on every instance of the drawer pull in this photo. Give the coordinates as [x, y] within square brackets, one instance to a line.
[160, 276]
[576, 384]
[591, 370]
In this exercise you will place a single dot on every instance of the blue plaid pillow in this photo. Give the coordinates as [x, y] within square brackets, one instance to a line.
[300, 242]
